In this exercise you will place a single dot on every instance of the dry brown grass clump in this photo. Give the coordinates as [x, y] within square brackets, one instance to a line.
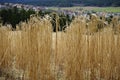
[27, 50]
[33, 52]
[91, 57]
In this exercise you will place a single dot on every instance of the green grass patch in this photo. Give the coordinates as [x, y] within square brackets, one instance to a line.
[107, 9]
[98, 9]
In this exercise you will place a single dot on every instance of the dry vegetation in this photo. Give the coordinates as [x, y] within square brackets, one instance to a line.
[26, 52]
[91, 57]
[29, 53]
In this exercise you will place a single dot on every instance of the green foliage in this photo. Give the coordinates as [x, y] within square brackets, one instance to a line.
[64, 21]
[14, 16]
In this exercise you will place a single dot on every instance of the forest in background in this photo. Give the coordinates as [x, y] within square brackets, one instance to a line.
[67, 3]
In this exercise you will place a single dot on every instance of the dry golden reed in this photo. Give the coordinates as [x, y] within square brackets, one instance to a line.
[27, 49]
[91, 57]
[30, 52]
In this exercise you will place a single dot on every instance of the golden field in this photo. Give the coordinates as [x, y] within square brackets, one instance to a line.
[34, 52]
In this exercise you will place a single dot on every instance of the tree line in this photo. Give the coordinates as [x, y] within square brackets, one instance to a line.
[14, 16]
[67, 3]
[70, 3]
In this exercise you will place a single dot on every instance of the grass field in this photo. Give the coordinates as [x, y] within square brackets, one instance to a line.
[34, 52]
[107, 9]
[99, 9]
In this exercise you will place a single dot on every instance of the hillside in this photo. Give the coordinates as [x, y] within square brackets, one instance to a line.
[67, 2]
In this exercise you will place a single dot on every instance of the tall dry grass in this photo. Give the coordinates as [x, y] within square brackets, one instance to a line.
[27, 50]
[90, 57]
[34, 52]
